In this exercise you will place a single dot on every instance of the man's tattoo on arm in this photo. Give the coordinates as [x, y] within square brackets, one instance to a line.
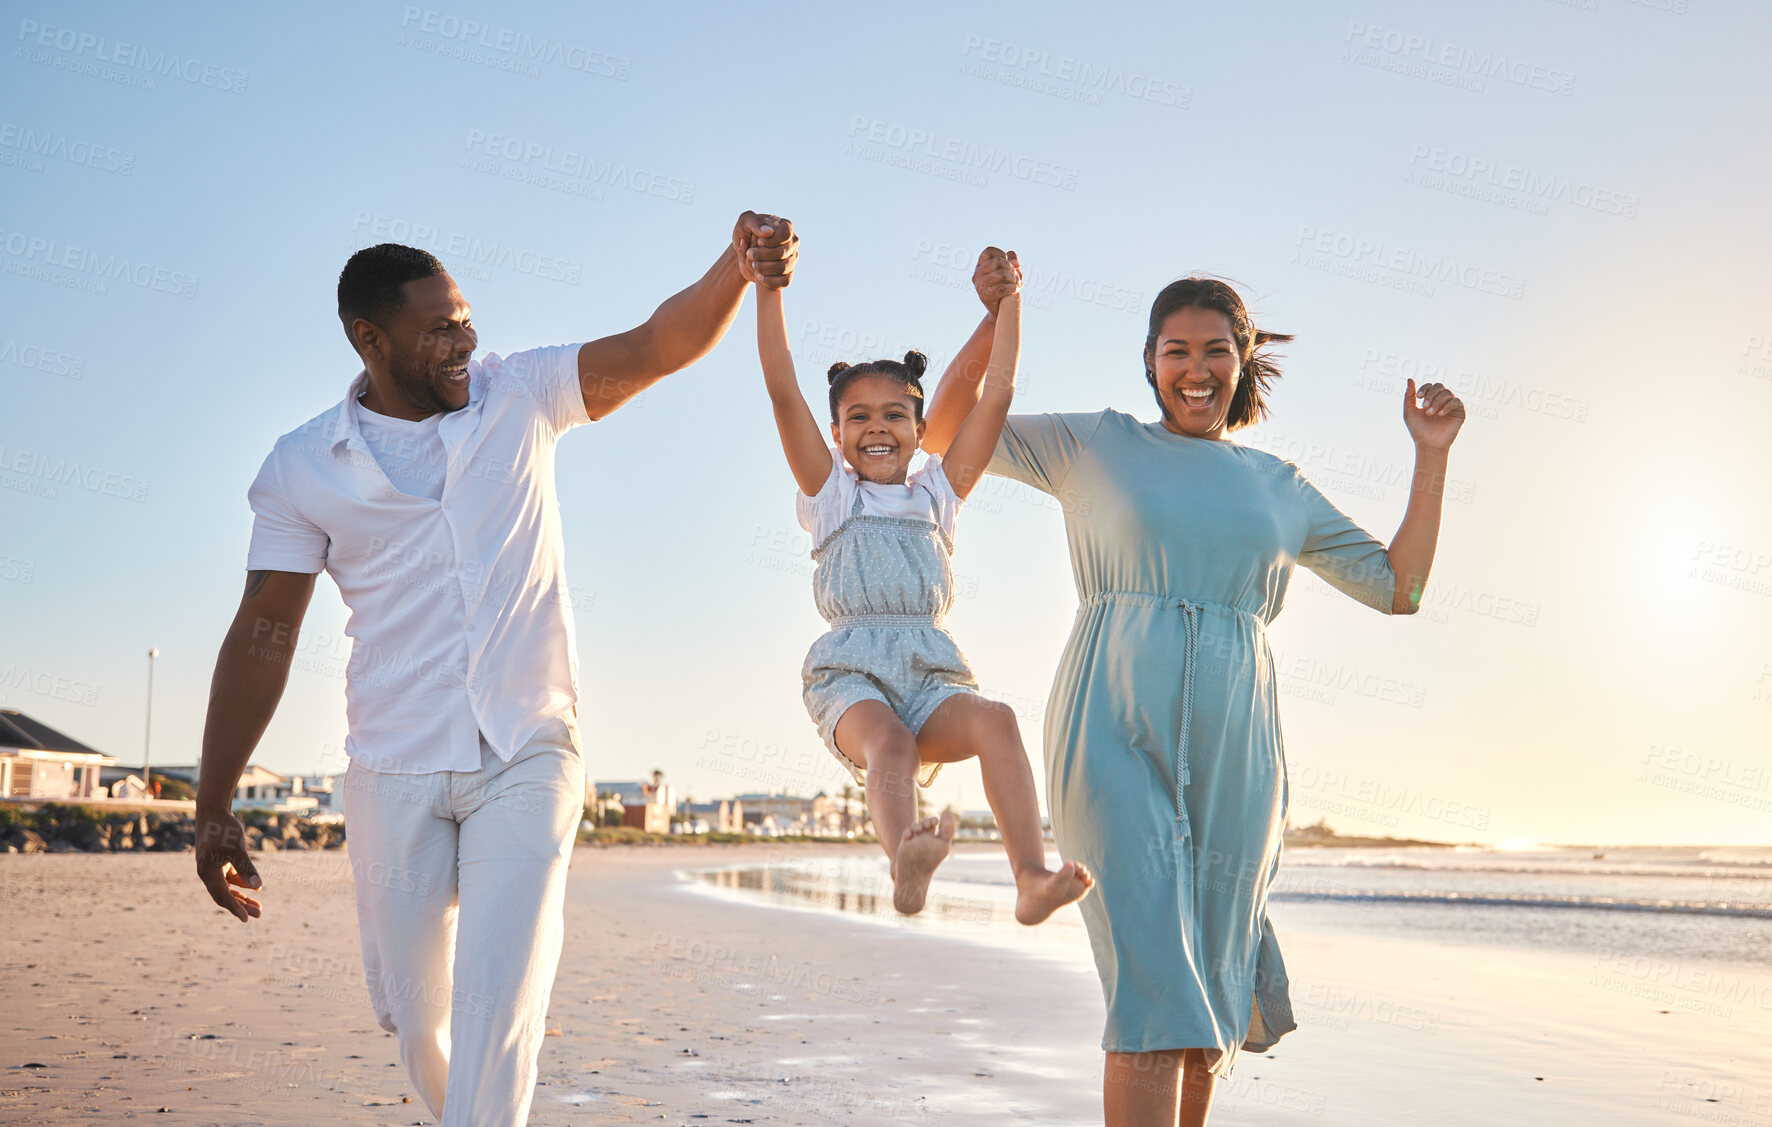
[254, 581]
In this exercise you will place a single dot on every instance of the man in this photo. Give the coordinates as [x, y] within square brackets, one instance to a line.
[428, 495]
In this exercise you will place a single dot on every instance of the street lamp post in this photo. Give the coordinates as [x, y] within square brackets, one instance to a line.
[148, 726]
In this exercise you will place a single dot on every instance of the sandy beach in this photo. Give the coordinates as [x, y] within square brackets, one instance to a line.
[682, 1000]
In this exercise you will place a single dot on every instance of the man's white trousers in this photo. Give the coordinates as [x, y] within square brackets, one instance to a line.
[461, 880]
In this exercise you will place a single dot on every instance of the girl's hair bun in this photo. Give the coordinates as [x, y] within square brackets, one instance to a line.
[908, 373]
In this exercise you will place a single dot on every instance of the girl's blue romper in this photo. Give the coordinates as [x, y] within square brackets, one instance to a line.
[884, 584]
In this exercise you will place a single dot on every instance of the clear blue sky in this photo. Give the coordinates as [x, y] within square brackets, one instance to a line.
[1560, 207]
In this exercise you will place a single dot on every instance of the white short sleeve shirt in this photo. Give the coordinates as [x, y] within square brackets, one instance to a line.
[925, 495]
[409, 451]
[460, 617]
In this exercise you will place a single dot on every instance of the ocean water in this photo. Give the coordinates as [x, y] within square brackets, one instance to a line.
[1650, 902]
[1460, 987]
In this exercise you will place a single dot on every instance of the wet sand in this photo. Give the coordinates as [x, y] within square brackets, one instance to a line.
[683, 1000]
[127, 992]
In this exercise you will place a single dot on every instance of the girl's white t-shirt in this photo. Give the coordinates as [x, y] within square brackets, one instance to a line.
[925, 495]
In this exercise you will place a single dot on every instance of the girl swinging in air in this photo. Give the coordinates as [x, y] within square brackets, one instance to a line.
[890, 691]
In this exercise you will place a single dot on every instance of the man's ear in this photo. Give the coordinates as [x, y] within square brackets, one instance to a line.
[367, 337]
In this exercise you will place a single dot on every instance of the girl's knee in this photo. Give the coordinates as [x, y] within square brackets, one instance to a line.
[994, 729]
[892, 762]
[891, 754]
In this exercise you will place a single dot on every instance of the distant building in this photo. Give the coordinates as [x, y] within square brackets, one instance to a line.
[36, 761]
[260, 788]
[817, 816]
[725, 816]
[263, 789]
[645, 806]
[323, 789]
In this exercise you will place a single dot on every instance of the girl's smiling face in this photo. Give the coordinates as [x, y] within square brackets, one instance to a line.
[877, 429]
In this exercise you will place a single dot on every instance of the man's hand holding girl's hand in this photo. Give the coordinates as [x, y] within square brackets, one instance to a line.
[997, 275]
[767, 249]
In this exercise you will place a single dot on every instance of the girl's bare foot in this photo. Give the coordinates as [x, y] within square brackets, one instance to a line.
[1040, 893]
[920, 850]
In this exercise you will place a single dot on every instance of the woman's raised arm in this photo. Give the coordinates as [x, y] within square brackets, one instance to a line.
[972, 447]
[1433, 423]
[997, 274]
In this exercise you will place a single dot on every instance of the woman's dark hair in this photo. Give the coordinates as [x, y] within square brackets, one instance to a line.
[1256, 369]
[908, 371]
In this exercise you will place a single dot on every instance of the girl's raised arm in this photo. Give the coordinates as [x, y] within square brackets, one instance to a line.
[976, 440]
[809, 456]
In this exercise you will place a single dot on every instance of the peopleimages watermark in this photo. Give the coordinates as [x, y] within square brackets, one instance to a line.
[951, 264]
[1399, 266]
[569, 170]
[1707, 775]
[1313, 677]
[80, 268]
[114, 60]
[510, 49]
[24, 147]
[469, 250]
[49, 361]
[1360, 473]
[1710, 1099]
[1756, 357]
[1410, 53]
[1695, 986]
[55, 686]
[1385, 372]
[823, 343]
[953, 158]
[1510, 185]
[26, 472]
[1735, 566]
[17, 570]
[1065, 76]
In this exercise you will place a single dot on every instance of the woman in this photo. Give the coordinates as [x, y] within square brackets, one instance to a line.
[1165, 769]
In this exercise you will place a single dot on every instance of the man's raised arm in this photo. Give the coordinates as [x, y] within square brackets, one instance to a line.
[249, 677]
[689, 323]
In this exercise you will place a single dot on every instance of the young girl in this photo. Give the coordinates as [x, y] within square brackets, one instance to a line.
[891, 693]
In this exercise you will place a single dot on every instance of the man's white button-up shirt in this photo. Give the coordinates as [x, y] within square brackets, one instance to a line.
[461, 622]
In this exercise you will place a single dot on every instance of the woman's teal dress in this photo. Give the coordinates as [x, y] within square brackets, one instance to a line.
[1165, 769]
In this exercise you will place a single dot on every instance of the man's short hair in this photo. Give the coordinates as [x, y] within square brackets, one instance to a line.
[369, 285]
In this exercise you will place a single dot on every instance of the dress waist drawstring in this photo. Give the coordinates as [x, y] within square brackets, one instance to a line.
[1191, 616]
[1190, 610]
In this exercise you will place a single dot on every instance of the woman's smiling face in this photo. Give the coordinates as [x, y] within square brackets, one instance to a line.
[1195, 368]
[877, 429]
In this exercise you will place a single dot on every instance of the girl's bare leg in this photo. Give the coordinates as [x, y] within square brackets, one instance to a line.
[965, 726]
[1148, 1089]
[872, 735]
